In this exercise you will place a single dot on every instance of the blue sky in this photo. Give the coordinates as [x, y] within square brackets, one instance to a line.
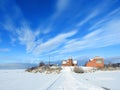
[33, 30]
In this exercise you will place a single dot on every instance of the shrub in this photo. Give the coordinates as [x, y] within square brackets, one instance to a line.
[78, 70]
[41, 64]
[30, 69]
[42, 68]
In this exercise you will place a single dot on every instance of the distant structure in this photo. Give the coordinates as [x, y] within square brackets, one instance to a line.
[97, 62]
[69, 62]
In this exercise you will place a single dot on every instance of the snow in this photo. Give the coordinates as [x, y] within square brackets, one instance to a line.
[67, 68]
[64, 62]
[91, 59]
[74, 62]
[21, 80]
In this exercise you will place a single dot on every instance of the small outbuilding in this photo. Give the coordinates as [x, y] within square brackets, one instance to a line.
[97, 62]
[69, 62]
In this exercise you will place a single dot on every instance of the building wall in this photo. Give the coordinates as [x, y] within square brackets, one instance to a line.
[69, 62]
[96, 62]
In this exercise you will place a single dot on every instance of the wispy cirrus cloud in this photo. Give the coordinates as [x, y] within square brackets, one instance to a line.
[8, 24]
[53, 43]
[102, 33]
[11, 16]
[97, 10]
[4, 49]
[33, 45]
[60, 7]
[92, 15]
[13, 40]
[106, 35]
[27, 37]
[112, 15]
[17, 26]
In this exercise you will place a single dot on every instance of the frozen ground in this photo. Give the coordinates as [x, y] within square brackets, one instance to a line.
[21, 80]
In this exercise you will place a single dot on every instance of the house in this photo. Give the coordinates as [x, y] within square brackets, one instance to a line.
[97, 62]
[69, 62]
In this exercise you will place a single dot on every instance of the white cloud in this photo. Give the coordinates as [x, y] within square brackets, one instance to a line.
[8, 24]
[47, 30]
[114, 14]
[106, 35]
[13, 40]
[10, 19]
[111, 33]
[100, 8]
[4, 49]
[92, 15]
[61, 5]
[53, 43]
[27, 37]
[93, 34]
[23, 32]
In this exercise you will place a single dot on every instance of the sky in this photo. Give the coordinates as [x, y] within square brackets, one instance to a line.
[36, 30]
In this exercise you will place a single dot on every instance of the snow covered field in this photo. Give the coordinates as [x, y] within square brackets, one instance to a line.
[21, 80]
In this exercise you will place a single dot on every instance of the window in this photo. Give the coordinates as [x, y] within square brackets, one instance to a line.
[98, 61]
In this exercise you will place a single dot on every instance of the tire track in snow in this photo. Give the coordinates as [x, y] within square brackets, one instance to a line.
[87, 84]
[66, 81]
[53, 82]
